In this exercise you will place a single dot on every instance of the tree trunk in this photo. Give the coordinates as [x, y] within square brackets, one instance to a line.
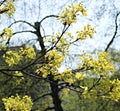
[55, 95]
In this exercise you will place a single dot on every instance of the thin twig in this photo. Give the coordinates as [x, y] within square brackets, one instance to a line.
[115, 33]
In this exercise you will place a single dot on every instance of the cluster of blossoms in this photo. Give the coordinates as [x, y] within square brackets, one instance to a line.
[101, 65]
[9, 8]
[87, 31]
[63, 43]
[53, 60]
[2, 47]
[67, 76]
[69, 15]
[27, 52]
[107, 89]
[14, 57]
[19, 76]
[115, 90]
[6, 34]
[18, 104]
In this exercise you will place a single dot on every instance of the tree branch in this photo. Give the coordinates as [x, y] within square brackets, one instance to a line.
[11, 75]
[49, 16]
[3, 11]
[96, 83]
[115, 33]
[44, 95]
[63, 31]
[1, 2]
[49, 108]
[22, 21]
[24, 32]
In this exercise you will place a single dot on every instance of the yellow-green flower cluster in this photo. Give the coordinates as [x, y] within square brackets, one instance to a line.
[53, 60]
[101, 66]
[54, 57]
[69, 34]
[63, 45]
[65, 91]
[12, 58]
[91, 94]
[9, 8]
[79, 76]
[69, 15]
[115, 90]
[87, 31]
[2, 47]
[106, 89]
[85, 91]
[18, 104]
[67, 76]
[6, 34]
[18, 73]
[27, 52]
[19, 77]
[109, 89]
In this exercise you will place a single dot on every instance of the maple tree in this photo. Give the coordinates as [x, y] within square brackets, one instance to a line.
[43, 64]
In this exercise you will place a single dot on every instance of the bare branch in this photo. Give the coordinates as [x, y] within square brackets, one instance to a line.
[37, 77]
[49, 16]
[44, 95]
[7, 69]
[115, 33]
[22, 21]
[2, 1]
[11, 75]
[23, 32]
[49, 108]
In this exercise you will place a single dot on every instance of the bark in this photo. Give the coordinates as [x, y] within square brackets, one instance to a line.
[55, 95]
[40, 38]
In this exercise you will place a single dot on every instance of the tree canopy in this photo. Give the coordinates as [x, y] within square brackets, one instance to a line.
[31, 79]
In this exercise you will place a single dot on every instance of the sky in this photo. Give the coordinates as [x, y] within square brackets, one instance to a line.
[101, 15]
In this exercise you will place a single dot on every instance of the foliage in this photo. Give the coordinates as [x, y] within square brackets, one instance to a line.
[72, 101]
[91, 80]
[9, 8]
[17, 104]
[12, 58]
[69, 15]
